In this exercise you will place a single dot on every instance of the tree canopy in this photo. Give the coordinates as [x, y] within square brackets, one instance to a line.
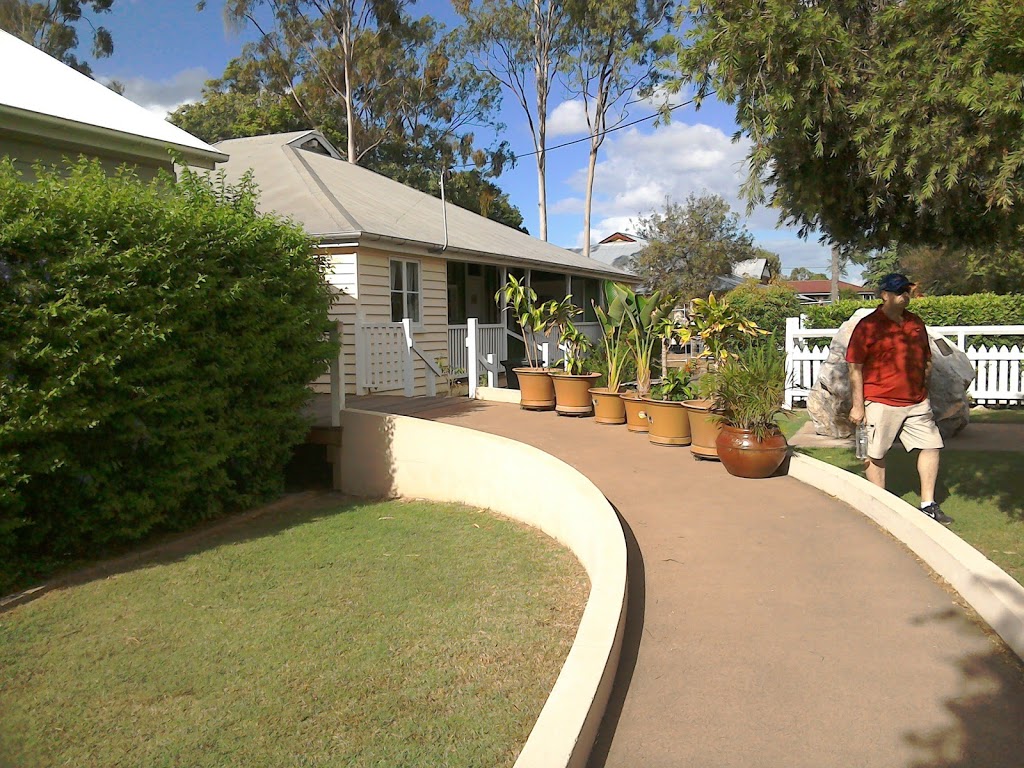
[873, 122]
[692, 244]
[52, 27]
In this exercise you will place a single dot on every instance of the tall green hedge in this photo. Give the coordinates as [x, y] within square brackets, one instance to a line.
[976, 309]
[156, 341]
[766, 305]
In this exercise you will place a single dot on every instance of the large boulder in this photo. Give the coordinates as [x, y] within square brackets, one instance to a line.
[829, 401]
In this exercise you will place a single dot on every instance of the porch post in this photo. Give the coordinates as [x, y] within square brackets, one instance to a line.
[492, 367]
[410, 380]
[337, 374]
[472, 355]
[792, 325]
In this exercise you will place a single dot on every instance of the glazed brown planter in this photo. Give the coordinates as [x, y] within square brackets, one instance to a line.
[636, 412]
[704, 429]
[536, 392]
[668, 422]
[572, 393]
[743, 455]
[608, 406]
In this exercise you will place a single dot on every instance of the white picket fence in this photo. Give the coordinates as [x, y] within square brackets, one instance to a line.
[385, 359]
[999, 370]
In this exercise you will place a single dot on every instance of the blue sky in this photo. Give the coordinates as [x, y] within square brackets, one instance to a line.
[164, 51]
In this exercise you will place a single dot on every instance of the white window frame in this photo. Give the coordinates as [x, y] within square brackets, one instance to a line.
[417, 295]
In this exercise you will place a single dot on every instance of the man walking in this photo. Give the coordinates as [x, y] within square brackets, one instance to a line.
[890, 361]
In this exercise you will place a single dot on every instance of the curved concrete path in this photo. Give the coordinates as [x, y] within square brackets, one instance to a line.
[772, 625]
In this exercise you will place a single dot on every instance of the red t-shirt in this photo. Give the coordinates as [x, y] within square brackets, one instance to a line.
[894, 355]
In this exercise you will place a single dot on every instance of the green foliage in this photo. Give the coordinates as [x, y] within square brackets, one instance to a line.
[559, 315]
[156, 342]
[51, 27]
[642, 317]
[692, 244]
[873, 121]
[802, 273]
[748, 388]
[613, 339]
[533, 319]
[676, 385]
[721, 327]
[947, 270]
[978, 309]
[766, 305]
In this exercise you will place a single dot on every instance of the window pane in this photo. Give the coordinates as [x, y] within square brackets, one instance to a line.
[396, 307]
[412, 284]
[396, 276]
[414, 306]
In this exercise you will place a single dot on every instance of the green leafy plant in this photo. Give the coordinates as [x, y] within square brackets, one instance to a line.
[721, 327]
[749, 387]
[676, 385]
[613, 340]
[643, 316]
[533, 320]
[576, 344]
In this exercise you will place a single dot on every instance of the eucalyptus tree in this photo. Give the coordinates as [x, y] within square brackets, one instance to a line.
[51, 27]
[520, 44]
[873, 122]
[614, 50]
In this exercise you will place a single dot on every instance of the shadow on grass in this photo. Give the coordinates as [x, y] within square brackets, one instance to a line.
[269, 520]
[985, 714]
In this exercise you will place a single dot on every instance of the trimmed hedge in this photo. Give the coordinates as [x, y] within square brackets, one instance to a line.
[156, 342]
[766, 305]
[976, 309]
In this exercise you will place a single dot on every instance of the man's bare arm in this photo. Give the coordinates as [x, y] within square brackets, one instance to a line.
[857, 392]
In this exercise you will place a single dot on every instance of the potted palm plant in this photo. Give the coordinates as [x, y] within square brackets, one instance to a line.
[748, 393]
[572, 385]
[536, 390]
[644, 316]
[721, 329]
[668, 421]
[608, 406]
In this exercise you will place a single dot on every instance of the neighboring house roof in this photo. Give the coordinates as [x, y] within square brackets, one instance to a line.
[302, 176]
[823, 286]
[751, 269]
[616, 250]
[43, 98]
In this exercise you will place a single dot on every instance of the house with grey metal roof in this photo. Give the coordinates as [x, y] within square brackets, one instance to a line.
[49, 111]
[396, 254]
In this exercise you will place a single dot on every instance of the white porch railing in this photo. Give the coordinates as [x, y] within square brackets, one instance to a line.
[493, 339]
[385, 359]
[1000, 373]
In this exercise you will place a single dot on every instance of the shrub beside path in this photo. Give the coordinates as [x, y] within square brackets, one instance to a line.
[772, 625]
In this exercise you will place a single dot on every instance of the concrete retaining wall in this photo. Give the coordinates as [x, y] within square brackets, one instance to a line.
[390, 456]
[996, 597]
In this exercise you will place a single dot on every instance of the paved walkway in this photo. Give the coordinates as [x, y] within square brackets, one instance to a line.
[772, 625]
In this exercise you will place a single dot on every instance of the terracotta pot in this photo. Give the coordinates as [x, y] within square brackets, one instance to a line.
[636, 412]
[572, 393]
[704, 429]
[608, 406]
[743, 455]
[668, 421]
[536, 392]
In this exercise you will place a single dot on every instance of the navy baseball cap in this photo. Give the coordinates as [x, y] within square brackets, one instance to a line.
[894, 282]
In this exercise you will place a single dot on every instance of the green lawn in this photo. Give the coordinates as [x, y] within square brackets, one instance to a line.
[998, 415]
[374, 634]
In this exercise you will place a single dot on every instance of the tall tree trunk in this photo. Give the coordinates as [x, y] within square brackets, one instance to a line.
[542, 81]
[835, 274]
[591, 168]
[350, 116]
[542, 194]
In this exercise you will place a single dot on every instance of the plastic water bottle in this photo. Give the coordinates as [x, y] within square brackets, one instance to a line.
[861, 441]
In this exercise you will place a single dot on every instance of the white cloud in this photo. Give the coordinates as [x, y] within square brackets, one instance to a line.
[161, 97]
[638, 170]
[567, 119]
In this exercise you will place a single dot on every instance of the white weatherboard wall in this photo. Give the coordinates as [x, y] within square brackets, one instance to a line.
[341, 276]
[391, 456]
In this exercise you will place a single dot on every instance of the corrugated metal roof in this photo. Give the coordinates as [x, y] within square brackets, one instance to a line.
[823, 286]
[332, 198]
[618, 253]
[37, 84]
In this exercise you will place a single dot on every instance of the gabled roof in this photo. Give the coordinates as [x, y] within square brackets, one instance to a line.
[753, 269]
[43, 97]
[301, 176]
[617, 250]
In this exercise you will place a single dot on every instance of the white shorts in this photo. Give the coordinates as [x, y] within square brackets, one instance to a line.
[914, 424]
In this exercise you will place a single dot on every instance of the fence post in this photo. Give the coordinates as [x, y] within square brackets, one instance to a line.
[337, 375]
[492, 368]
[472, 355]
[545, 351]
[792, 325]
[408, 370]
